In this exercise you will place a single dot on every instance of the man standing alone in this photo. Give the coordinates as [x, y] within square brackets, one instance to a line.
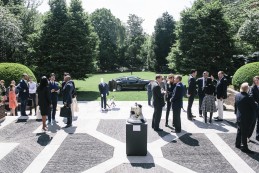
[191, 93]
[221, 90]
[158, 103]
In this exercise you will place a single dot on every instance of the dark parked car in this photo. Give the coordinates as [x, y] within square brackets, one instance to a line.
[131, 82]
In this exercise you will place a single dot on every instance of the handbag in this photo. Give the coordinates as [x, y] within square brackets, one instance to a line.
[65, 111]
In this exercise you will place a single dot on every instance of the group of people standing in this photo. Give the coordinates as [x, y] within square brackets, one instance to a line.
[174, 97]
[208, 91]
[47, 92]
[173, 90]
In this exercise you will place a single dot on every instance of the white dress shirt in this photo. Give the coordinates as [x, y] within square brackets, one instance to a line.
[32, 87]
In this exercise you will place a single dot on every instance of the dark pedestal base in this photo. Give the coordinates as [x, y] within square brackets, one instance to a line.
[136, 139]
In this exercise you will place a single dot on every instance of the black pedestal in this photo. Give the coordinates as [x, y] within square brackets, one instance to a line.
[136, 139]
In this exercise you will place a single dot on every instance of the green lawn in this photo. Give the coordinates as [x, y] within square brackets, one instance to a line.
[88, 89]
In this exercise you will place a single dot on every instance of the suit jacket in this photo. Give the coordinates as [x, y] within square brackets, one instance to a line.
[23, 90]
[255, 93]
[177, 97]
[44, 98]
[245, 107]
[199, 82]
[192, 86]
[67, 93]
[158, 97]
[55, 86]
[221, 88]
[103, 88]
[74, 87]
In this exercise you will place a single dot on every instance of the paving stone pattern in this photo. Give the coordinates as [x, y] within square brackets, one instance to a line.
[196, 152]
[139, 168]
[30, 145]
[77, 153]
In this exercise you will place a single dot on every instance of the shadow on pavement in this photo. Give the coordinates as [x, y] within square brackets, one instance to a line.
[43, 139]
[188, 140]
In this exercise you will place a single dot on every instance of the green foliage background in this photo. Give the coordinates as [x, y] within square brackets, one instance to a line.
[14, 71]
[245, 74]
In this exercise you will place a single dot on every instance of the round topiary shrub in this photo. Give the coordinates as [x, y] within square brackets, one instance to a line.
[14, 71]
[245, 74]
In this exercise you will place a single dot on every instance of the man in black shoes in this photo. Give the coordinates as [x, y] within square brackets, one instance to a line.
[67, 97]
[158, 103]
[191, 93]
[170, 88]
[177, 102]
[244, 110]
[221, 91]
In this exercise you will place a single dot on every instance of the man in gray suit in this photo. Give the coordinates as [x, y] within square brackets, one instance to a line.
[158, 103]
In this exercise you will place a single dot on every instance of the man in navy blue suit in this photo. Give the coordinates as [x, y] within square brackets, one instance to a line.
[67, 97]
[177, 103]
[24, 93]
[191, 93]
[54, 90]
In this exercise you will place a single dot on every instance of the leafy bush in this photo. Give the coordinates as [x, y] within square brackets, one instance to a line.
[14, 71]
[245, 74]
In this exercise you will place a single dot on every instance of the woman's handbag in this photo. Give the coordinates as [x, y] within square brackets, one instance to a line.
[65, 111]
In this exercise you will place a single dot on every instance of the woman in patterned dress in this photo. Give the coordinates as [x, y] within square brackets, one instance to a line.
[208, 104]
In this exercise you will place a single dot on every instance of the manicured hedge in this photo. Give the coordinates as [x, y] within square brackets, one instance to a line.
[13, 71]
[245, 74]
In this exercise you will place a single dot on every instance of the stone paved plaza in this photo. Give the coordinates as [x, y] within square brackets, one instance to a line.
[96, 143]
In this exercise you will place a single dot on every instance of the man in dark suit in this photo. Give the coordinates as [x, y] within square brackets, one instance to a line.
[23, 93]
[67, 97]
[54, 90]
[191, 93]
[201, 82]
[255, 94]
[177, 102]
[221, 90]
[169, 92]
[158, 103]
[104, 91]
[244, 110]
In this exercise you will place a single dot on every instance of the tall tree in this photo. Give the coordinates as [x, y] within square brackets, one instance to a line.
[81, 41]
[147, 53]
[135, 40]
[111, 35]
[204, 42]
[249, 31]
[165, 37]
[50, 48]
